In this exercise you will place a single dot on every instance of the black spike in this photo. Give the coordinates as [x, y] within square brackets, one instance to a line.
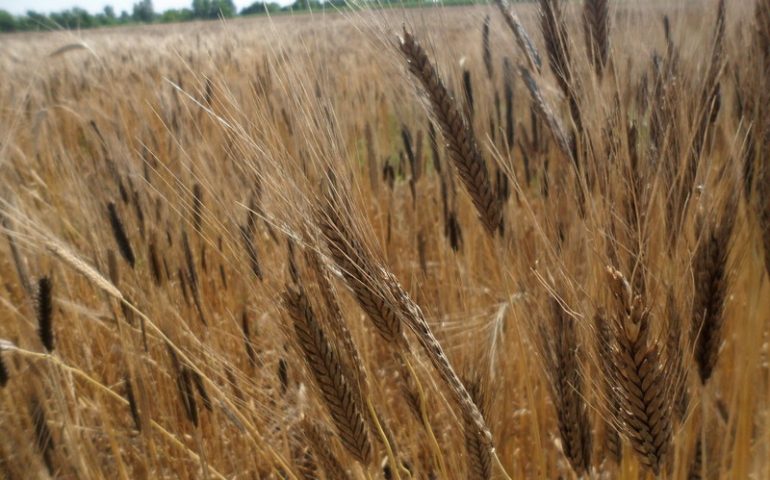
[45, 313]
[120, 235]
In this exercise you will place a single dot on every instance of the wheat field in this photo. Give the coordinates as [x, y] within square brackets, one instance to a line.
[495, 241]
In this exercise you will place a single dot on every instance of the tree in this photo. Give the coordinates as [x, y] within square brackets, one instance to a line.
[174, 15]
[226, 8]
[212, 9]
[144, 11]
[109, 12]
[71, 19]
[258, 8]
[200, 8]
[7, 22]
[34, 21]
[306, 5]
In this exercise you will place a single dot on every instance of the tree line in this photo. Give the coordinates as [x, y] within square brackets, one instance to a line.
[144, 12]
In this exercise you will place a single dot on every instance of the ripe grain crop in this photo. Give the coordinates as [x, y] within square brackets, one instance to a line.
[526, 240]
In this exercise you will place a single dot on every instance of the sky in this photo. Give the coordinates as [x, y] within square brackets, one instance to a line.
[18, 7]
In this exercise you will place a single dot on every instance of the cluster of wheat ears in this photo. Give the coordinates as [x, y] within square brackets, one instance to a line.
[478, 242]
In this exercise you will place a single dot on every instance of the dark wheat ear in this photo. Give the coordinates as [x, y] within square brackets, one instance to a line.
[360, 271]
[351, 358]
[645, 399]
[560, 351]
[192, 277]
[605, 355]
[4, 376]
[461, 144]
[508, 84]
[763, 214]
[119, 232]
[251, 252]
[184, 382]
[323, 362]
[155, 261]
[554, 28]
[43, 438]
[676, 366]
[709, 267]
[45, 313]
[133, 407]
[250, 352]
[479, 458]
[371, 158]
[184, 386]
[756, 166]
[596, 27]
[318, 439]
[709, 106]
[304, 461]
[486, 50]
[387, 304]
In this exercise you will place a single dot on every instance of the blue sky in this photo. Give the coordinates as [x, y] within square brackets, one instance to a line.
[18, 7]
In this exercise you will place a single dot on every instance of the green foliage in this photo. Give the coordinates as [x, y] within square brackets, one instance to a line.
[72, 19]
[258, 8]
[7, 22]
[212, 9]
[176, 15]
[306, 5]
[144, 11]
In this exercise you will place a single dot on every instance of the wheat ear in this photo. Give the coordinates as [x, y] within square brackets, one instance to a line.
[461, 144]
[596, 28]
[323, 362]
[645, 403]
